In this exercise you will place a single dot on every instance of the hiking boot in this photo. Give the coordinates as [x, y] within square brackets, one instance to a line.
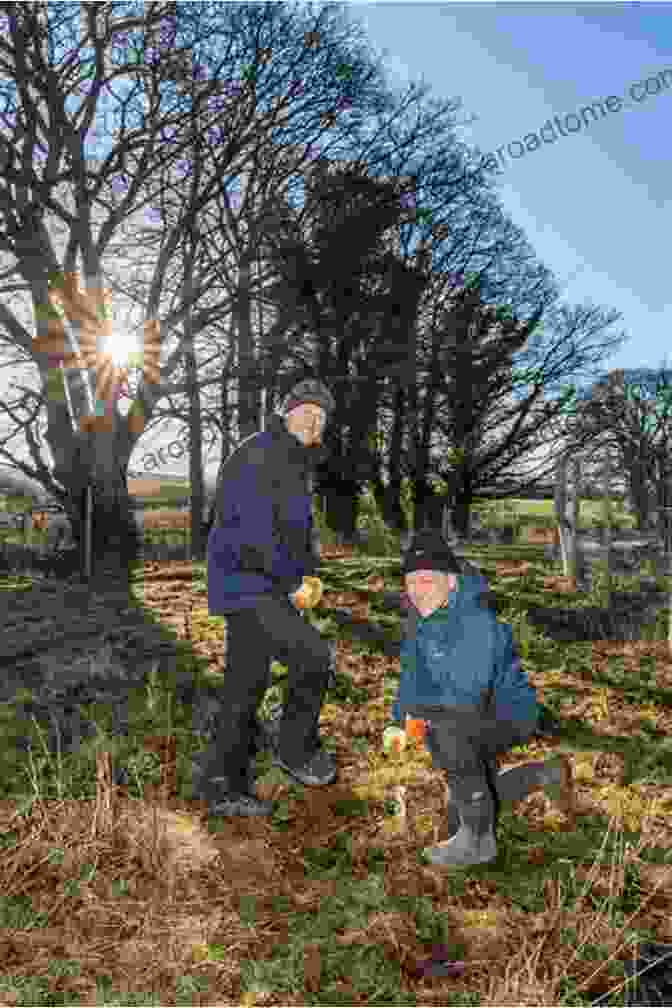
[234, 803]
[225, 800]
[318, 771]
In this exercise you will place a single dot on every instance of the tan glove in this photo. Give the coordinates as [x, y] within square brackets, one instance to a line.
[308, 595]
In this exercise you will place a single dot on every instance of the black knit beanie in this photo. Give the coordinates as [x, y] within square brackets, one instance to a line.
[429, 551]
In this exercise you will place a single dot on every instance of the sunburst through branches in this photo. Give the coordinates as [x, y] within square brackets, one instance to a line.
[101, 348]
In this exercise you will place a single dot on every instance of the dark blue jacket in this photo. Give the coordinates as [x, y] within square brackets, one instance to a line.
[261, 540]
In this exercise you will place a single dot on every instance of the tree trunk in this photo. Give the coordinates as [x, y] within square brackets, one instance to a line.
[388, 502]
[388, 496]
[338, 480]
[115, 539]
[340, 497]
[434, 508]
[421, 489]
[197, 492]
[662, 493]
[639, 491]
[248, 368]
[393, 512]
[198, 540]
[576, 506]
[461, 512]
[100, 459]
[116, 543]
[228, 444]
[379, 491]
[422, 494]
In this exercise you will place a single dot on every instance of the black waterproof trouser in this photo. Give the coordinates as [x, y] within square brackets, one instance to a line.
[465, 744]
[273, 629]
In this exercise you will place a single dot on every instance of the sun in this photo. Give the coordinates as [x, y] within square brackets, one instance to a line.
[104, 346]
[122, 346]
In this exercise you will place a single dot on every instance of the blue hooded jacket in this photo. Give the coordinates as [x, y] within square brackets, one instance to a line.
[261, 538]
[461, 656]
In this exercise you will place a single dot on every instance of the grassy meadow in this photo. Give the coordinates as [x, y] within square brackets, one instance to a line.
[330, 901]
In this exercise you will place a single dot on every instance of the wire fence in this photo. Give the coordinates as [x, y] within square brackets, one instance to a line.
[28, 539]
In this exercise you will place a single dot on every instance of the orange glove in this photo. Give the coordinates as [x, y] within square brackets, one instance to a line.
[308, 595]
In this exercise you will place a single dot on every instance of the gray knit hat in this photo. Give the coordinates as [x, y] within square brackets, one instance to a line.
[309, 391]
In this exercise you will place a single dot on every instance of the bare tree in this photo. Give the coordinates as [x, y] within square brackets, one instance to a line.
[632, 420]
[352, 294]
[469, 231]
[383, 343]
[262, 215]
[497, 439]
[476, 350]
[95, 451]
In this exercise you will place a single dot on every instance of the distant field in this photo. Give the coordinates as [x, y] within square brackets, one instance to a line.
[589, 510]
[151, 488]
[162, 494]
[156, 492]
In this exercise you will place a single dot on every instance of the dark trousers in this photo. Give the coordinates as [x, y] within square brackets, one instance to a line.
[466, 744]
[273, 629]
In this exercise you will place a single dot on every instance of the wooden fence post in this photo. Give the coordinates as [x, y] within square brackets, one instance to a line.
[607, 506]
[567, 514]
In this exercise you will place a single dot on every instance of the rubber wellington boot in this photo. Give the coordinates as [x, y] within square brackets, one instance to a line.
[451, 813]
[474, 843]
[453, 816]
[553, 776]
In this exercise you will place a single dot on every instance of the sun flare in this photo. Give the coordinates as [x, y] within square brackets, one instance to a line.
[123, 347]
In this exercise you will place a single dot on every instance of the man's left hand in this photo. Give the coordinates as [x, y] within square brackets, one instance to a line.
[308, 595]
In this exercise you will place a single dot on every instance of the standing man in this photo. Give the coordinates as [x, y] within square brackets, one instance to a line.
[259, 552]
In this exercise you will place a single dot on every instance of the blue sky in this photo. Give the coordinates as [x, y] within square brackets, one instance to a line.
[596, 201]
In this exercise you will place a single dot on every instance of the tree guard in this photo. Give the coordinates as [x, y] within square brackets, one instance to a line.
[567, 508]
